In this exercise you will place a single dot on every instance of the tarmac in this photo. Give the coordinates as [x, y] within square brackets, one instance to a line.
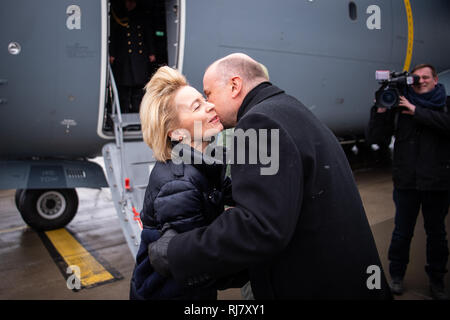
[31, 269]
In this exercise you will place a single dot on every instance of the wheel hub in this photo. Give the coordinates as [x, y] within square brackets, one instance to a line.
[51, 205]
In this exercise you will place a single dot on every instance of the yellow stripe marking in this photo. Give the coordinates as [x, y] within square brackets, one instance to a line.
[74, 253]
[409, 48]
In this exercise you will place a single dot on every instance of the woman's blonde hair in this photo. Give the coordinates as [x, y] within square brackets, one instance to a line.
[158, 112]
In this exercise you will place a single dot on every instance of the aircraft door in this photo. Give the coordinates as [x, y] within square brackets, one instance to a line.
[174, 23]
[51, 76]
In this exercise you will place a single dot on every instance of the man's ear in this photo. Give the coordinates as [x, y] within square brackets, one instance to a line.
[236, 86]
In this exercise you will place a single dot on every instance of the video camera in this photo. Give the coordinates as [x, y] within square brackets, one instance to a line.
[393, 85]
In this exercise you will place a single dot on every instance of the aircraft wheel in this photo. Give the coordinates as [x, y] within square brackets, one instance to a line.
[48, 209]
[17, 197]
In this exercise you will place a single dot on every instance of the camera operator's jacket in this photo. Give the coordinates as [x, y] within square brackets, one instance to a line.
[421, 158]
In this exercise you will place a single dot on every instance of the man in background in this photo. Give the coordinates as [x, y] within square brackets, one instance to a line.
[421, 174]
[132, 51]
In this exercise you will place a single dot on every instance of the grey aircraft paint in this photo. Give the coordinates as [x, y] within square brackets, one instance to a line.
[53, 84]
[315, 51]
[50, 92]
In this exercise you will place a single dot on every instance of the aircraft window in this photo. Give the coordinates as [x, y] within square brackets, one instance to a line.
[352, 11]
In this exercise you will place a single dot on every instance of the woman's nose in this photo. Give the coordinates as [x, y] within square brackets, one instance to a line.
[209, 106]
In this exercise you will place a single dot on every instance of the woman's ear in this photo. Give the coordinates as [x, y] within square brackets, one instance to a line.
[177, 135]
[174, 136]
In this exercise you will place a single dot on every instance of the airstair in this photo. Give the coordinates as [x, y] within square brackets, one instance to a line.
[128, 165]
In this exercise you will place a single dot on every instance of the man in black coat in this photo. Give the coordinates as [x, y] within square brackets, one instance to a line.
[298, 228]
[132, 52]
[421, 174]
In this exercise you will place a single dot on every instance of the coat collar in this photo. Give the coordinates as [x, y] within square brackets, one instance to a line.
[195, 156]
[209, 166]
[261, 92]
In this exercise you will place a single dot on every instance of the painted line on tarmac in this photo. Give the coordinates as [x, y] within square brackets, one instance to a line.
[13, 229]
[67, 251]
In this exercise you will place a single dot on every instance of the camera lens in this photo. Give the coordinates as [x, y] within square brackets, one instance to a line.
[388, 98]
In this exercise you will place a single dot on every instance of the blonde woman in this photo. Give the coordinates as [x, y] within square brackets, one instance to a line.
[179, 196]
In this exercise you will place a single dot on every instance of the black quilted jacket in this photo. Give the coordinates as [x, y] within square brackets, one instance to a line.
[182, 197]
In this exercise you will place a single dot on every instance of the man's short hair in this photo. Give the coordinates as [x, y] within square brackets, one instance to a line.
[240, 64]
[425, 65]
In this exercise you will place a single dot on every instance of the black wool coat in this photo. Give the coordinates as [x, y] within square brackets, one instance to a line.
[421, 158]
[301, 233]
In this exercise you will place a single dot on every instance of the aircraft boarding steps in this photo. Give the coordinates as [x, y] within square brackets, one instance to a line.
[128, 169]
[128, 165]
[128, 119]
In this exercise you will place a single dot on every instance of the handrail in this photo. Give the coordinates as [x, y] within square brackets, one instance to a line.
[115, 103]
[118, 130]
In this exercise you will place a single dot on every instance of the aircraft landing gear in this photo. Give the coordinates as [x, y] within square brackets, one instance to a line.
[47, 209]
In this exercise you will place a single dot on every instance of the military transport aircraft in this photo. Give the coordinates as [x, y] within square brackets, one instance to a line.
[58, 97]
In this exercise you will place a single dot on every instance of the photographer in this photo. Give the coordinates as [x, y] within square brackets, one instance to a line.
[421, 173]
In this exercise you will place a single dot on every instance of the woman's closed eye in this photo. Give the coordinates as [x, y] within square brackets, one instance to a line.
[197, 104]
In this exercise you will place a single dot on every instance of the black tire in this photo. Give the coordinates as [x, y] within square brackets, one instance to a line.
[48, 209]
[17, 197]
